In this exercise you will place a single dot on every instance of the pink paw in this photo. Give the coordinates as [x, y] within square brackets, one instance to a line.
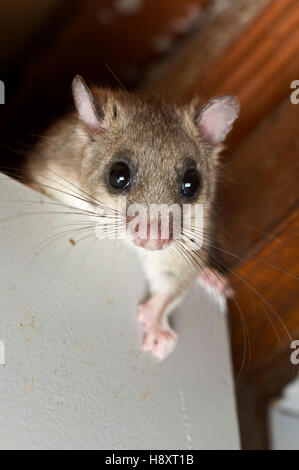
[145, 314]
[160, 343]
[217, 281]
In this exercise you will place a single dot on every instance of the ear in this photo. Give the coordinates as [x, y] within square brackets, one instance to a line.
[91, 115]
[215, 119]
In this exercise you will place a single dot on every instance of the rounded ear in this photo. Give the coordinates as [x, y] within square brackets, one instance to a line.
[215, 119]
[91, 114]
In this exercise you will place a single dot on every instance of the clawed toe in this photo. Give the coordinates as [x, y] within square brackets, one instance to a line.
[160, 343]
[159, 339]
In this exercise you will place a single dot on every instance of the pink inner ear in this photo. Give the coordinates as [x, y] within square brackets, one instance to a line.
[85, 107]
[217, 119]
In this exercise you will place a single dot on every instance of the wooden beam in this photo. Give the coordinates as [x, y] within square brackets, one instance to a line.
[182, 71]
[267, 297]
[258, 66]
[259, 217]
[259, 186]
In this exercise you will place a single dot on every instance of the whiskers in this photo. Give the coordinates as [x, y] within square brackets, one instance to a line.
[80, 223]
[197, 258]
[86, 217]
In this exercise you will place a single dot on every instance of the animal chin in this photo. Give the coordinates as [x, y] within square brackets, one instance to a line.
[151, 244]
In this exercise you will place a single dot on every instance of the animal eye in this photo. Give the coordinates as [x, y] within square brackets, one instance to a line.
[120, 176]
[191, 183]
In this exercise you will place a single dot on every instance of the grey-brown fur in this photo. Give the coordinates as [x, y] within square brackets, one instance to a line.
[159, 141]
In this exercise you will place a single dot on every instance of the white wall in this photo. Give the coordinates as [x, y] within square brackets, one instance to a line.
[74, 375]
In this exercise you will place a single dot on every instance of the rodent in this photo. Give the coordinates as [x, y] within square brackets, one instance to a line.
[117, 143]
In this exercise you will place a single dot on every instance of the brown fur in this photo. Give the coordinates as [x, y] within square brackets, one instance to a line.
[158, 138]
[159, 141]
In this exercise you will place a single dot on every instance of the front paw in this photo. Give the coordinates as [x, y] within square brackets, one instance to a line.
[160, 343]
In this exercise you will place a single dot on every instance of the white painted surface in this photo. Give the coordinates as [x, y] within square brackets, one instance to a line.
[284, 419]
[74, 376]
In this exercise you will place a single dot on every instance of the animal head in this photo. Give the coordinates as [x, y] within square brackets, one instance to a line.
[152, 152]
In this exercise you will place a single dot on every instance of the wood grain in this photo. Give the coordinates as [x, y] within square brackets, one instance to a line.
[259, 201]
[259, 186]
[259, 67]
[181, 72]
[266, 293]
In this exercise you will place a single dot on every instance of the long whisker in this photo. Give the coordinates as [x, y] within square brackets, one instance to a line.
[56, 237]
[58, 190]
[90, 197]
[21, 175]
[190, 256]
[262, 299]
[246, 339]
[246, 257]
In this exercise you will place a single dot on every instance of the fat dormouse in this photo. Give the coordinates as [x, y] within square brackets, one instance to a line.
[148, 152]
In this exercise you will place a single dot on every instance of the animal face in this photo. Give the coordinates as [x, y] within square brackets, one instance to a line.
[151, 153]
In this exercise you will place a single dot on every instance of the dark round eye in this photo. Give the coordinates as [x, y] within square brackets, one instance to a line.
[120, 176]
[191, 183]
